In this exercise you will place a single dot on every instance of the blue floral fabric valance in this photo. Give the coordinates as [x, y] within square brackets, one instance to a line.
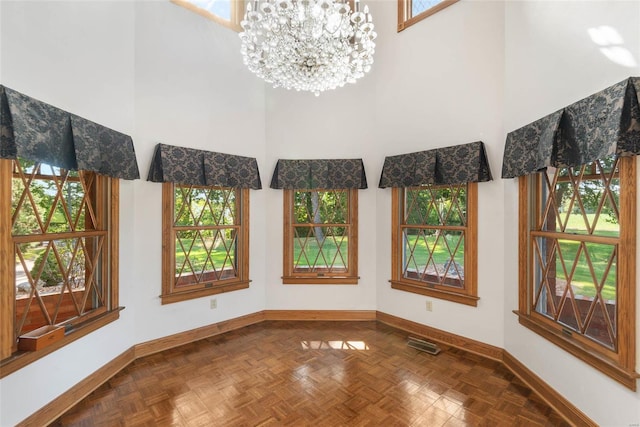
[601, 125]
[319, 174]
[189, 166]
[36, 131]
[457, 164]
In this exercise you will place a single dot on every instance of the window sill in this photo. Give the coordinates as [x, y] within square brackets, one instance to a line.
[607, 366]
[178, 296]
[315, 280]
[435, 293]
[21, 359]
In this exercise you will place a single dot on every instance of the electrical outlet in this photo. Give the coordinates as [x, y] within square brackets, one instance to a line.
[429, 305]
[213, 303]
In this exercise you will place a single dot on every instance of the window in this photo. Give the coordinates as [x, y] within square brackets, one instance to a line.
[61, 228]
[412, 11]
[577, 261]
[434, 241]
[226, 12]
[321, 236]
[205, 241]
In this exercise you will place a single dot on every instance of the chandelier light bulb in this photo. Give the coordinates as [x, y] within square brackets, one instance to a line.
[308, 45]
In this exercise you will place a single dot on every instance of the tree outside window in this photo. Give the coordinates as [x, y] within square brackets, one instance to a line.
[205, 241]
[320, 236]
[434, 241]
[62, 232]
[580, 256]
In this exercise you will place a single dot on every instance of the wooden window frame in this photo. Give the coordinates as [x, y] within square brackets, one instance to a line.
[291, 277]
[171, 294]
[108, 216]
[620, 364]
[237, 13]
[405, 19]
[467, 295]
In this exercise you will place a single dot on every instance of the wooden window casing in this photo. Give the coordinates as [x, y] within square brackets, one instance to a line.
[406, 18]
[461, 290]
[73, 281]
[213, 277]
[237, 13]
[596, 329]
[300, 266]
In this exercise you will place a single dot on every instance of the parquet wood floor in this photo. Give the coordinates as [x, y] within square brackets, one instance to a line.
[280, 373]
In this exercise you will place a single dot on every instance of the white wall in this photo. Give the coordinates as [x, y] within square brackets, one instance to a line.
[67, 54]
[551, 61]
[191, 89]
[440, 84]
[163, 74]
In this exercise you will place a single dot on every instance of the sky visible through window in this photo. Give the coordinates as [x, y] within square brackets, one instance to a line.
[419, 6]
[220, 8]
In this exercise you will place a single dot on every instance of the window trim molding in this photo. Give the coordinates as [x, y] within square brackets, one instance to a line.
[169, 293]
[404, 8]
[622, 367]
[13, 362]
[290, 277]
[7, 281]
[468, 296]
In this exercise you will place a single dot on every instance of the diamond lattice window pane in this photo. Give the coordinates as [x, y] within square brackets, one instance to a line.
[321, 245]
[205, 246]
[196, 206]
[436, 206]
[205, 255]
[433, 241]
[575, 277]
[434, 256]
[56, 281]
[419, 6]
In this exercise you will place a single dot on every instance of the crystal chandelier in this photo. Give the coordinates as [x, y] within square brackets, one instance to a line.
[310, 45]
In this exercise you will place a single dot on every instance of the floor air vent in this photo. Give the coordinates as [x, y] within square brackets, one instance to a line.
[422, 345]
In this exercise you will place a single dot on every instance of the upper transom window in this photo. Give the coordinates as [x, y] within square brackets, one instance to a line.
[412, 11]
[226, 12]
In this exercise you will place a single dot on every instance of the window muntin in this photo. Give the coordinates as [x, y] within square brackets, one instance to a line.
[226, 12]
[434, 241]
[412, 11]
[206, 239]
[63, 236]
[580, 262]
[320, 236]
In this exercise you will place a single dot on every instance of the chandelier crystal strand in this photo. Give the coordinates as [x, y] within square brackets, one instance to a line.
[309, 45]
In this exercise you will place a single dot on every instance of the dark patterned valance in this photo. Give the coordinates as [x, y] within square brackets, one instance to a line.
[603, 124]
[189, 166]
[457, 164]
[313, 174]
[36, 131]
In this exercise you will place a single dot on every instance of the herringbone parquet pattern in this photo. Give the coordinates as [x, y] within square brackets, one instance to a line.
[311, 374]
